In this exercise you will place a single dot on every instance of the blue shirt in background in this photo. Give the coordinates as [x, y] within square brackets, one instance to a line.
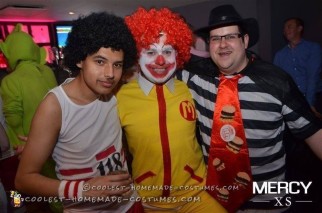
[303, 63]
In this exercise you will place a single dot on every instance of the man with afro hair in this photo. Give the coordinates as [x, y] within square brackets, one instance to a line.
[77, 123]
[158, 116]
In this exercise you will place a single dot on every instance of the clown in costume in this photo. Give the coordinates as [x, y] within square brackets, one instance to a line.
[158, 116]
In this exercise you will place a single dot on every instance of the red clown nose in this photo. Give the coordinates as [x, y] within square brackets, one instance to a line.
[160, 60]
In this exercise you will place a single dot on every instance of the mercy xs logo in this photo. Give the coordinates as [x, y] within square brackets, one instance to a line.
[281, 187]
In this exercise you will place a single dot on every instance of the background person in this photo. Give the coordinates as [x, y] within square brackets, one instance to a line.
[301, 59]
[22, 90]
[26, 85]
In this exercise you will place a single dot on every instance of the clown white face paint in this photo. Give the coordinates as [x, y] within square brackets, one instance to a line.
[158, 63]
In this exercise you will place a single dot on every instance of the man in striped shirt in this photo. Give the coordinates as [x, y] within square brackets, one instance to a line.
[269, 100]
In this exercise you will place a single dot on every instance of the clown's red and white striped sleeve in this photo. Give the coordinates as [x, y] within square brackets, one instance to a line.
[70, 189]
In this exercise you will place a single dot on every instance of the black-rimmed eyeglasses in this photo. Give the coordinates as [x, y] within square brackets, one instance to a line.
[228, 37]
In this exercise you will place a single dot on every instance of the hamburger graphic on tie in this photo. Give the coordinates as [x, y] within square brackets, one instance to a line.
[218, 164]
[227, 113]
[223, 194]
[235, 144]
[242, 179]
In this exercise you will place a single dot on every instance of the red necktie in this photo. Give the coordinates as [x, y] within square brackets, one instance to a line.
[164, 140]
[229, 177]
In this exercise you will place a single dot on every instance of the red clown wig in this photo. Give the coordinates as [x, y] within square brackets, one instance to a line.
[146, 27]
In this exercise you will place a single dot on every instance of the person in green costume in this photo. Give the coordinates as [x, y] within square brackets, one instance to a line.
[26, 85]
[23, 89]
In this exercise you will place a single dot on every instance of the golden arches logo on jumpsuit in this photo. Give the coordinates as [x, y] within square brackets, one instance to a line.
[187, 110]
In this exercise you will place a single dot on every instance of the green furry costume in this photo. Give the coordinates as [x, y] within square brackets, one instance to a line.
[24, 88]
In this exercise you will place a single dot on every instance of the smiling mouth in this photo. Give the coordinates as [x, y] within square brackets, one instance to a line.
[158, 70]
[224, 53]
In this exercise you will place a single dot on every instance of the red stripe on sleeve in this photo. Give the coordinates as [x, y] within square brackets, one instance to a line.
[66, 190]
[76, 188]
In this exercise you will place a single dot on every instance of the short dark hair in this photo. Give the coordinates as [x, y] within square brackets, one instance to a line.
[298, 21]
[97, 30]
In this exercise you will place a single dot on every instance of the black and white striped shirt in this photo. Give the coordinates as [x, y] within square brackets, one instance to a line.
[269, 101]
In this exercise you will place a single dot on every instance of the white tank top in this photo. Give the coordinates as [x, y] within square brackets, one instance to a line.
[89, 144]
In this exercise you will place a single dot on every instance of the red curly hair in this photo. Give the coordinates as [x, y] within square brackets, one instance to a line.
[146, 27]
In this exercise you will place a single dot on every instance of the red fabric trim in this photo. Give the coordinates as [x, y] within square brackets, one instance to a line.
[105, 153]
[66, 190]
[164, 140]
[144, 176]
[70, 172]
[192, 173]
[76, 188]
